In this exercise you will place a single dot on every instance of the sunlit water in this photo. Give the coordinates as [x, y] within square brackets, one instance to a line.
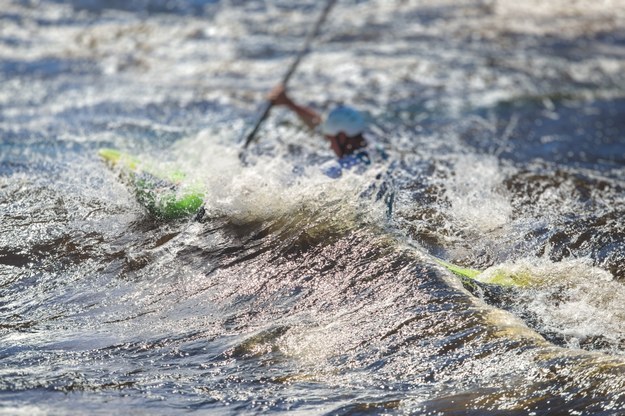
[503, 122]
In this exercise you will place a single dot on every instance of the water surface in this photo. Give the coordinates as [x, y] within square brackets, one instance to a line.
[297, 293]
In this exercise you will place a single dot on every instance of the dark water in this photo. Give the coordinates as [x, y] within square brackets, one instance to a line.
[296, 293]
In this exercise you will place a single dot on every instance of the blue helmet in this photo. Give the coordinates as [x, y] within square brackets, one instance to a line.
[344, 119]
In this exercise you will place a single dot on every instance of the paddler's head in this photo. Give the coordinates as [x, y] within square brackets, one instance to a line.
[344, 121]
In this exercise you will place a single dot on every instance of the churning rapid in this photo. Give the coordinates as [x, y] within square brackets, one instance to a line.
[503, 122]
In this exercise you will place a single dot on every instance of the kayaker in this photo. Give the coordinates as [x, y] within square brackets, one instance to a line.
[343, 128]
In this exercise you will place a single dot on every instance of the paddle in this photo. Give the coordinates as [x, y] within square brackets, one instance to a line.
[313, 34]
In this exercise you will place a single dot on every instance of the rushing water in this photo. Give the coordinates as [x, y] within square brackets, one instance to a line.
[504, 122]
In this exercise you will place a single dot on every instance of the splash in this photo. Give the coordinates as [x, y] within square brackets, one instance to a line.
[476, 195]
[571, 301]
[272, 185]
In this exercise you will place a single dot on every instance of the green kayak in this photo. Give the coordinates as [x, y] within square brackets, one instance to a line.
[498, 276]
[165, 195]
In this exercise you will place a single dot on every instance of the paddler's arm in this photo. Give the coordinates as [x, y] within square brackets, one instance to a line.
[309, 116]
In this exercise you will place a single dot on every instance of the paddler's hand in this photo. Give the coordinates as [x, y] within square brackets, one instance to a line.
[278, 96]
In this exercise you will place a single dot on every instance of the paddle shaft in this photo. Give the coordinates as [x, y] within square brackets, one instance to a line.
[311, 36]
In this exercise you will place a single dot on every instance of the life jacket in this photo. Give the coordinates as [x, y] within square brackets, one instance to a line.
[347, 145]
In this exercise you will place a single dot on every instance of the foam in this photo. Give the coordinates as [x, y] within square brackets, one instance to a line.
[266, 187]
[571, 297]
[476, 195]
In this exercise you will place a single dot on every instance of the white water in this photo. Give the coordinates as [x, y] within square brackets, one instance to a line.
[502, 118]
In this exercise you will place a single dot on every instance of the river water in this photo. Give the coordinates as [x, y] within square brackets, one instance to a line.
[504, 125]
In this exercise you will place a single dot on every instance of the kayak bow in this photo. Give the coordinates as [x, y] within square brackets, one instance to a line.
[164, 195]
